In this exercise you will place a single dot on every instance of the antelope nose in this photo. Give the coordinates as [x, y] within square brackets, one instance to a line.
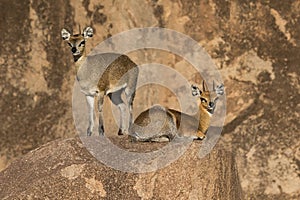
[211, 104]
[73, 49]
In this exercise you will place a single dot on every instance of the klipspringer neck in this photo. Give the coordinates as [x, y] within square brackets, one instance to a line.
[204, 119]
[79, 61]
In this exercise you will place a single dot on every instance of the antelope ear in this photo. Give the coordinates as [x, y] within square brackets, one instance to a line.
[88, 32]
[220, 89]
[65, 34]
[196, 91]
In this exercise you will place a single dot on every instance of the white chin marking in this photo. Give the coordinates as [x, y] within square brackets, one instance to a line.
[76, 54]
[79, 58]
[209, 113]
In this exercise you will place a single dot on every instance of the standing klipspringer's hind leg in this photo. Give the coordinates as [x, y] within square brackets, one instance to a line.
[130, 94]
[90, 102]
[100, 110]
[117, 100]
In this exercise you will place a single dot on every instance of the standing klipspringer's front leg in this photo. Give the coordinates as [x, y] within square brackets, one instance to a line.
[90, 102]
[130, 94]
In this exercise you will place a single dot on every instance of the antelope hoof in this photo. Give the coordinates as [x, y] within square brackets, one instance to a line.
[101, 131]
[201, 137]
[120, 132]
[89, 132]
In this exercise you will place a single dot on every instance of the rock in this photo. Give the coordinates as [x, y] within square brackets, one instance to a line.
[64, 169]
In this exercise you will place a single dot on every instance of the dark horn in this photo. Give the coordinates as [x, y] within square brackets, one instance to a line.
[203, 86]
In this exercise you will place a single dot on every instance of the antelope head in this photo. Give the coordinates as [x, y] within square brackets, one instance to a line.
[77, 41]
[208, 99]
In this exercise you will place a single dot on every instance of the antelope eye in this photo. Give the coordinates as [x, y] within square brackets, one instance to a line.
[203, 100]
[70, 44]
[82, 43]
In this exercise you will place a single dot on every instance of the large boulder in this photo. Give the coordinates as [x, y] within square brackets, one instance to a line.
[64, 169]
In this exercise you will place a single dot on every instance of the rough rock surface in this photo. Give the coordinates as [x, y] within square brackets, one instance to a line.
[66, 170]
[254, 43]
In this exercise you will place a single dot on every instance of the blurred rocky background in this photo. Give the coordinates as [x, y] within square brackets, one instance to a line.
[254, 44]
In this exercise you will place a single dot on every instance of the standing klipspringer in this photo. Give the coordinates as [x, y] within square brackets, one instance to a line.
[103, 74]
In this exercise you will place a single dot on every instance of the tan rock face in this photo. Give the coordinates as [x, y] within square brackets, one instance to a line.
[255, 45]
